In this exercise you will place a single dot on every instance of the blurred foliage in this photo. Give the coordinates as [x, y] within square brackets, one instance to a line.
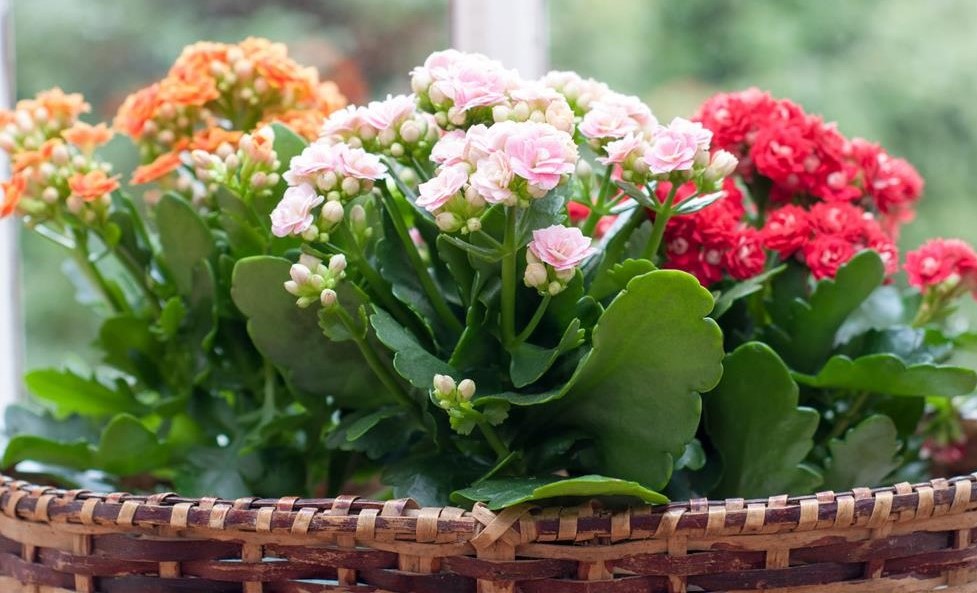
[900, 72]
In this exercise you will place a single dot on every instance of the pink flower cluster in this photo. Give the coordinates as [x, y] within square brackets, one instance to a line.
[553, 257]
[941, 260]
[338, 171]
[808, 160]
[827, 236]
[714, 242]
[505, 163]
[394, 127]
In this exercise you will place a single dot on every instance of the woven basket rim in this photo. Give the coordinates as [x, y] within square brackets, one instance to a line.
[404, 520]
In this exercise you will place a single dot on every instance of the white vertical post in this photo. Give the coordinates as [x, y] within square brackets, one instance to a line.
[11, 324]
[511, 31]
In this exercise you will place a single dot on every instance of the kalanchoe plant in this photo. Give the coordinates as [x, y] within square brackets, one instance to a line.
[503, 290]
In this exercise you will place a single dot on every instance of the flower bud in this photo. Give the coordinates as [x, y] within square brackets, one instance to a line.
[447, 222]
[701, 159]
[337, 263]
[723, 164]
[49, 195]
[535, 275]
[410, 131]
[332, 212]
[466, 389]
[555, 288]
[351, 186]
[74, 204]
[328, 298]
[444, 384]
[584, 169]
[473, 225]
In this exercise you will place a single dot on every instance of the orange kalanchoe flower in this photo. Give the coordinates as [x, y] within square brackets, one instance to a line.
[92, 185]
[86, 136]
[34, 158]
[59, 104]
[13, 190]
[165, 163]
[190, 89]
[210, 139]
[137, 109]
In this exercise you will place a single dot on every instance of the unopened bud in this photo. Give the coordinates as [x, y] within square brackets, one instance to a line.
[701, 158]
[535, 275]
[722, 165]
[49, 195]
[337, 263]
[474, 225]
[447, 222]
[410, 131]
[328, 298]
[351, 186]
[466, 389]
[584, 170]
[444, 384]
[74, 204]
[555, 288]
[357, 216]
[332, 212]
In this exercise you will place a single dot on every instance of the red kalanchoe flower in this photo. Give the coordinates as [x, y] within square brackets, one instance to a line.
[734, 118]
[787, 229]
[842, 220]
[825, 254]
[938, 260]
[746, 258]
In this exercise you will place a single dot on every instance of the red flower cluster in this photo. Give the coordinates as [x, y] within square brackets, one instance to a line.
[806, 159]
[939, 260]
[714, 242]
[827, 236]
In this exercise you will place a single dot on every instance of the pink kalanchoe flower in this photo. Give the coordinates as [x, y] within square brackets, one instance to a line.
[474, 85]
[540, 154]
[436, 192]
[621, 150]
[293, 214]
[562, 247]
[449, 149]
[702, 135]
[314, 158]
[389, 114]
[671, 150]
[344, 123]
[358, 163]
[616, 116]
[492, 177]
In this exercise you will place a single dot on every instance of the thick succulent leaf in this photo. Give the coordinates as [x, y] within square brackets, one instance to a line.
[867, 454]
[637, 391]
[888, 374]
[411, 360]
[500, 493]
[753, 421]
[290, 337]
[810, 329]
[72, 394]
[542, 213]
[184, 237]
[530, 362]
[430, 479]
[618, 276]
[375, 433]
[127, 447]
[75, 455]
[743, 289]
[883, 309]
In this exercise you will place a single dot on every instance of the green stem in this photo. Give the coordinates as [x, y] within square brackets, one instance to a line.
[91, 270]
[537, 317]
[380, 287]
[848, 417]
[268, 406]
[597, 209]
[508, 313]
[493, 439]
[661, 220]
[379, 369]
[139, 275]
[436, 297]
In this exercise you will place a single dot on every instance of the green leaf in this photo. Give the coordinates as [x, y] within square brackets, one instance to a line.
[506, 492]
[72, 394]
[366, 423]
[170, 318]
[753, 421]
[868, 453]
[215, 472]
[430, 479]
[812, 324]
[618, 276]
[456, 260]
[638, 195]
[530, 362]
[129, 345]
[542, 213]
[637, 391]
[883, 309]
[743, 289]
[75, 455]
[376, 434]
[127, 447]
[411, 360]
[888, 374]
[20, 420]
[697, 203]
[290, 337]
[184, 237]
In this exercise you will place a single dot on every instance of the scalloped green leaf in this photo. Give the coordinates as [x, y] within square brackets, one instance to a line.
[753, 421]
[888, 374]
[500, 493]
[808, 332]
[72, 394]
[184, 238]
[411, 360]
[291, 338]
[530, 362]
[743, 289]
[127, 447]
[618, 276]
[75, 455]
[637, 391]
[868, 453]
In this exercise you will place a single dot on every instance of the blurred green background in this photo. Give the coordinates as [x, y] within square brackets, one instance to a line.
[901, 72]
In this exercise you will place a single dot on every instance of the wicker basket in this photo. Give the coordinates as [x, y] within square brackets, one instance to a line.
[899, 539]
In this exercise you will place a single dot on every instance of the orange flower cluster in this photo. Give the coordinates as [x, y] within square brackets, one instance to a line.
[218, 87]
[52, 157]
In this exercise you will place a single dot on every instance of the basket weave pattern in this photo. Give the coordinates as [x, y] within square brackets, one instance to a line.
[901, 539]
